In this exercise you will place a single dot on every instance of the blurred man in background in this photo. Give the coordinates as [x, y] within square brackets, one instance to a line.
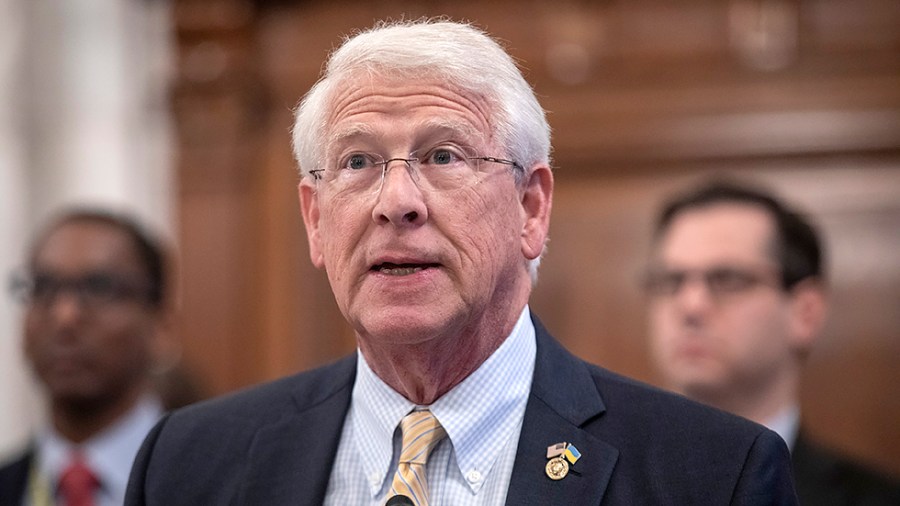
[95, 324]
[738, 299]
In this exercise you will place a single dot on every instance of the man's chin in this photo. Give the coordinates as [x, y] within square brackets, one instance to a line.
[85, 400]
[398, 326]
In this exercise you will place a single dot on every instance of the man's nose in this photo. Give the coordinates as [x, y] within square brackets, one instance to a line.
[400, 200]
[694, 296]
[66, 307]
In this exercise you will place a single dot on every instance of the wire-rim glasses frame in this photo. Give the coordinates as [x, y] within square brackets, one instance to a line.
[445, 166]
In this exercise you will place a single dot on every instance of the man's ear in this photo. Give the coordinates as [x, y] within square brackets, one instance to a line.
[809, 308]
[537, 199]
[309, 207]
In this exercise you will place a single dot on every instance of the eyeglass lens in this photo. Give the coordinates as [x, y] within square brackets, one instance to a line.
[440, 168]
[718, 280]
[93, 289]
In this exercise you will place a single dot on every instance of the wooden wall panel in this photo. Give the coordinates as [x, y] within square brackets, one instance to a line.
[644, 96]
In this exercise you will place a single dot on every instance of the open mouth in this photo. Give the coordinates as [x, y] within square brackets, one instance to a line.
[401, 269]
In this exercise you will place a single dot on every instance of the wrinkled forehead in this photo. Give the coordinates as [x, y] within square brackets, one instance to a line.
[420, 105]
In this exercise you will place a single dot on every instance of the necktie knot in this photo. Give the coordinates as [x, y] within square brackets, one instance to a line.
[77, 483]
[421, 433]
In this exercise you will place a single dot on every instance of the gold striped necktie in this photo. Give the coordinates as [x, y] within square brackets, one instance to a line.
[421, 433]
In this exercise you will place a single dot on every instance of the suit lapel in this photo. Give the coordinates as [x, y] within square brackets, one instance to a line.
[14, 478]
[563, 399]
[290, 460]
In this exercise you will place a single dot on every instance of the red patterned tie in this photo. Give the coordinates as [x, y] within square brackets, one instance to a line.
[77, 483]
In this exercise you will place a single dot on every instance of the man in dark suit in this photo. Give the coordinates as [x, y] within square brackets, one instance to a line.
[426, 192]
[95, 324]
[738, 299]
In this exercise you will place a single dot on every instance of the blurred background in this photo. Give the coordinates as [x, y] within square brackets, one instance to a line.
[180, 112]
[85, 117]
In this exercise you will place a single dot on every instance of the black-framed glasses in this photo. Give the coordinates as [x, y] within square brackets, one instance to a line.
[443, 167]
[720, 281]
[93, 290]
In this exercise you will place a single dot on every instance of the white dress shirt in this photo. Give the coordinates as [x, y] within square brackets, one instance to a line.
[482, 416]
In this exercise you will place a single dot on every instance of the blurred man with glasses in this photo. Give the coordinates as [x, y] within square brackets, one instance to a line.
[737, 300]
[426, 191]
[94, 293]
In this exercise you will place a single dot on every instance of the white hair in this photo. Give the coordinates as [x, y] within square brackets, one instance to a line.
[460, 55]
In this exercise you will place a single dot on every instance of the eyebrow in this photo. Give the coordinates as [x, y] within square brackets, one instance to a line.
[457, 128]
[427, 129]
[351, 131]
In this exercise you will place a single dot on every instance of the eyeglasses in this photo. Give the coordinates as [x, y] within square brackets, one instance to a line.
[441, 168]
[720, 281]
[92, 290]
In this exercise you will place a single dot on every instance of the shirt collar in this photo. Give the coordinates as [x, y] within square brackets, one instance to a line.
[106, 451]
[785, 424]
[480, 414]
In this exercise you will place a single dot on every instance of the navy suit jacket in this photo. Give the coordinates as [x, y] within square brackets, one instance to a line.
[275, 444]
[14, 478]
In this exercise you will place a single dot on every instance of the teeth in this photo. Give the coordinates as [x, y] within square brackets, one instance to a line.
[399, 271]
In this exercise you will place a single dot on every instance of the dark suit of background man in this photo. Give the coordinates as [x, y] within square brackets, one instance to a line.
[95, 324]
[738, 298]
[426, 195]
